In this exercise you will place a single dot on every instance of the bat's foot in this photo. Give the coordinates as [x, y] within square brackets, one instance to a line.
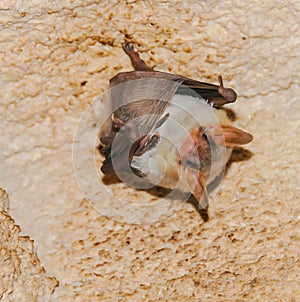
[128, 47]
[136, 61]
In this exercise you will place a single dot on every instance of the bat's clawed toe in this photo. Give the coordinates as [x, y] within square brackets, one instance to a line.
[128, 47]
[137, 63]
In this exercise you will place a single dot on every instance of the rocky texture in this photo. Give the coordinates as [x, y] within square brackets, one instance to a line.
[22, 277]
[56, 57]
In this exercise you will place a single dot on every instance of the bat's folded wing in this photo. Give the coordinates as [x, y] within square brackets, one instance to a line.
[137, 107]
[217, 95]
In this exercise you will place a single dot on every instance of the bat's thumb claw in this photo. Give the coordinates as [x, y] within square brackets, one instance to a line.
[227, 93]
[220, 79]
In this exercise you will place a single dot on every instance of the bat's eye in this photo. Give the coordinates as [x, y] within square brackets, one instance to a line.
[210, 142]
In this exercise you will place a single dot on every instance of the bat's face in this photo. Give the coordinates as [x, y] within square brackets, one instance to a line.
[191, 144]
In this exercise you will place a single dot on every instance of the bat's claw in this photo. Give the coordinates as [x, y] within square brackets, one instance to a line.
[227, 93]
[128, 47]
[134, 56]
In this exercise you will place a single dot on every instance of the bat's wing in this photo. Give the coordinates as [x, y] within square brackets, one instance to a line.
[138, 100]
[137, 107]
[214, 94]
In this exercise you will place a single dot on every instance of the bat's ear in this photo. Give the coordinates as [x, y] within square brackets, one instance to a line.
[234, 136]
[197, 186]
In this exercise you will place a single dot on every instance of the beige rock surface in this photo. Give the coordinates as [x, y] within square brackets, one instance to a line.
[56, 57]
[22, 277]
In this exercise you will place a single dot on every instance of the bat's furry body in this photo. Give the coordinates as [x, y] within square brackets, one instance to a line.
[178, 138]
[166, 151]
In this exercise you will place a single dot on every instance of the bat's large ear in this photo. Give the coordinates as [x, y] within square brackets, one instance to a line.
[234, 136]
[197, 185]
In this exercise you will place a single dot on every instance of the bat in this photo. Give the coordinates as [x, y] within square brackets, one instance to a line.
[138, 138]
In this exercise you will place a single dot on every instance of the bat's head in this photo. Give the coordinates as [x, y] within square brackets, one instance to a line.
[190, 159]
